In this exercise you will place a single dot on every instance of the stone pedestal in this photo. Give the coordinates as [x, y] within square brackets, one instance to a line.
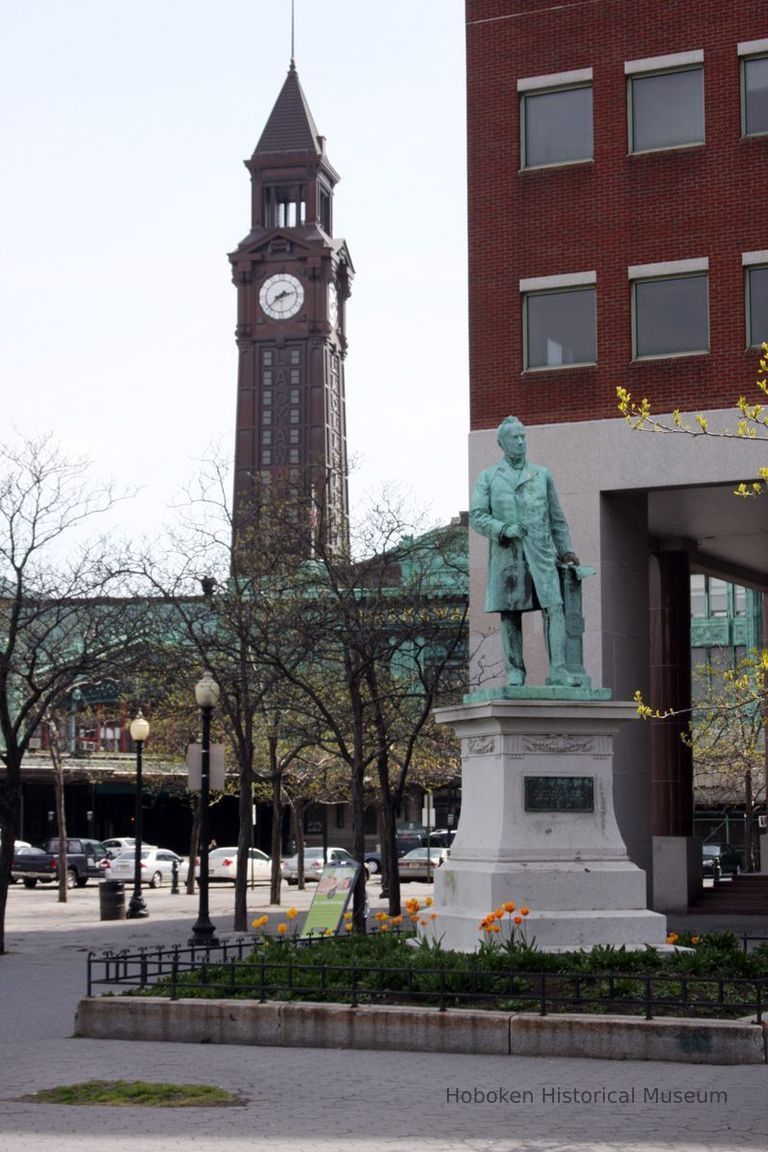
[538, 827]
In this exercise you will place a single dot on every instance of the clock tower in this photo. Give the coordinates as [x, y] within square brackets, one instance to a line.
[293, 280]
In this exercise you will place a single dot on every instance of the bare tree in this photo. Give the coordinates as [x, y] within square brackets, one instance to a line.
[60, 621]
[368, 644]
[217, 585]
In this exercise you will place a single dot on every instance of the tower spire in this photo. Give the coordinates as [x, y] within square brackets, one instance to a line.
[293, 32]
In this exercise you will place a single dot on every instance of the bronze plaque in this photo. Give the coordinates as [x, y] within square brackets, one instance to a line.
[559, 793]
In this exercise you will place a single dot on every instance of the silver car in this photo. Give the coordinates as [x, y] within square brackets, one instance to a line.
[421, 863]
[314, 863]
[156, 866]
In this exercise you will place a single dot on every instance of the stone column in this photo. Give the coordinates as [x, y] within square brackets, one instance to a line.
[677, 863]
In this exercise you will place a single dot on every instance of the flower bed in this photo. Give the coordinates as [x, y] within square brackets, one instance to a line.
[712, 976]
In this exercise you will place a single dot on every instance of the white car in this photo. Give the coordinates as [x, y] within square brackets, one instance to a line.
[117, 844]
[156, 866]
[222, 865]
[314, 864]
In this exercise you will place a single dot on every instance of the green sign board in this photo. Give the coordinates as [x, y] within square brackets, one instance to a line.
[330, 901]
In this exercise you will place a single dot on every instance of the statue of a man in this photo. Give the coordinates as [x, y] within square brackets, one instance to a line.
[515, 505]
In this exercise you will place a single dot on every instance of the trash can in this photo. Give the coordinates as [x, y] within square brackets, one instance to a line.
[112, 900]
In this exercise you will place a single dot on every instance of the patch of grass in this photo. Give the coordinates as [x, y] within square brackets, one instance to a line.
[135, 1093]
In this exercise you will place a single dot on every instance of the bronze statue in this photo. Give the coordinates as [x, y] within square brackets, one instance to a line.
[515, 505]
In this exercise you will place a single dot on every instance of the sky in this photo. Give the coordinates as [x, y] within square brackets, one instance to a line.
[123, 130]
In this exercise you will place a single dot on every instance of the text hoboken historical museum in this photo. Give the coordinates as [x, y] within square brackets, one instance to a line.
[559, 1096]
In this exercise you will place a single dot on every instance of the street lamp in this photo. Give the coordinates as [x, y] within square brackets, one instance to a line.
[206, 695]
[136, 906]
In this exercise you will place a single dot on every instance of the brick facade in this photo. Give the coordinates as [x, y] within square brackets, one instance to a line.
[612, 212]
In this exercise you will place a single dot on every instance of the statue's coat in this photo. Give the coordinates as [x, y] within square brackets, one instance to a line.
[522, 574]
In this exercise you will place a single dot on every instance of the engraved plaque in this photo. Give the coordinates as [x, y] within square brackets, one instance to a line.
[559, 793]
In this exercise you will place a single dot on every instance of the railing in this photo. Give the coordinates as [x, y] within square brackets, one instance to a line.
[223, 971]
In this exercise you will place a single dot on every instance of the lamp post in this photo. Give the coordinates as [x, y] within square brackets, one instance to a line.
[206, 695]
[136, 906]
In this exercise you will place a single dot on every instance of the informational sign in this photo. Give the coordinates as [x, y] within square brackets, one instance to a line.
[216, 767]
[559, 793]
[334, 891]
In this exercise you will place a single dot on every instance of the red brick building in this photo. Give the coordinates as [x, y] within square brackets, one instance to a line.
[582, 166]
[618, 236]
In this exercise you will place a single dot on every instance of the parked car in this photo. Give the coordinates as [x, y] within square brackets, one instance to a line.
[156, 866]
[222, 865]
[33, 864]
[314, 864]
[405, 842]
[118, 844]
[717, 859]
[442, 837]
[421, 864]
[86, 860]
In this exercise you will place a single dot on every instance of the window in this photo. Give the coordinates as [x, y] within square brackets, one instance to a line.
[666, 102]
[754, 87]
[283, 205]
[325, 209]
[715, 598]
[756, 268]
[718, 597]
[670, 312]
[555, 124]
[739, 600]
[559, 321]
[698, 595]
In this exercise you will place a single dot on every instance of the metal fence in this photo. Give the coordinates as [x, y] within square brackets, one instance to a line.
[234, 970]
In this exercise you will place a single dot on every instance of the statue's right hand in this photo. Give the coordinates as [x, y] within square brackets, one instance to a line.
[512, 532]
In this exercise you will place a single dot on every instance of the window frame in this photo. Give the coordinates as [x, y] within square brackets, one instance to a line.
[749, 51]
[656, 273]
[560, 82]
[752, 262]
[663, 66]
[552, 286]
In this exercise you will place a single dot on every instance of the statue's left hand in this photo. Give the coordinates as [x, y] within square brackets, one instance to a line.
[569, 558]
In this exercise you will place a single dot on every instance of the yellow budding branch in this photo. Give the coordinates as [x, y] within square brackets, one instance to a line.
[753, 424]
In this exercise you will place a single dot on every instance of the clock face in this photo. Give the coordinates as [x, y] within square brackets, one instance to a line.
[281, 296]
[333, 305]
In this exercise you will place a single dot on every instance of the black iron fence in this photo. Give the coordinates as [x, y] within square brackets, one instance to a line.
[235, 970]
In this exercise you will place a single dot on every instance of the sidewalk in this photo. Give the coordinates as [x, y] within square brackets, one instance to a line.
[329, 1100]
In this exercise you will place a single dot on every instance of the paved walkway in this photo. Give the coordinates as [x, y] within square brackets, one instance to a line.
[323, 1101]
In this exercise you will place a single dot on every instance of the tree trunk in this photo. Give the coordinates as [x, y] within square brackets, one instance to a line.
[298, 823]
[6, 863]
[749, 812]
[389, 849]
[277, 824]
[194, 837]
[359, 911]
[245, 815]
[10, 807]
[61, 815]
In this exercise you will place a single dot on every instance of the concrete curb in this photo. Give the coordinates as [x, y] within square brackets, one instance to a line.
[306, 1025]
